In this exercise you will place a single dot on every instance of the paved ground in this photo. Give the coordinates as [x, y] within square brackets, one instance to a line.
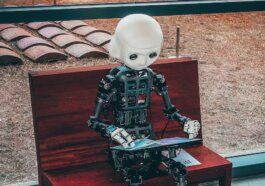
[51, 41]
[230, 49]
[60, 2]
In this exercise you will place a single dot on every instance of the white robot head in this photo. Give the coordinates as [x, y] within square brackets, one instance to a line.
[137, 41]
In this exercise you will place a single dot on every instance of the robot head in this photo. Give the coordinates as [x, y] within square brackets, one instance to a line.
[137, 41]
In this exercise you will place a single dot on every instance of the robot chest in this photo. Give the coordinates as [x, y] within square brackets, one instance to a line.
[133, 93]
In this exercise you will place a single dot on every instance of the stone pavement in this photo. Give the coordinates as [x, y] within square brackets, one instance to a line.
[51, 41]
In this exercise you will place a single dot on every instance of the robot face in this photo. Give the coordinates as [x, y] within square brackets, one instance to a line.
[137, 41]
[139, 59]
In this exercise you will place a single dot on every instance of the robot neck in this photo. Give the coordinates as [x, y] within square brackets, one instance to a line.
[133, 70]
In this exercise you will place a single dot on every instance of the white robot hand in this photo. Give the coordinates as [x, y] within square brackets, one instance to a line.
[192, 127]
[120, 136]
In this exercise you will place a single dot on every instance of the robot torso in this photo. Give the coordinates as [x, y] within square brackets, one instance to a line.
[132, 99]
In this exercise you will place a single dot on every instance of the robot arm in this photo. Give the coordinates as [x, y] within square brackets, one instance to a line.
[191, 127]
[105, 94]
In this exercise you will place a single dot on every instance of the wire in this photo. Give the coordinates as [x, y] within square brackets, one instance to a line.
[165, 128]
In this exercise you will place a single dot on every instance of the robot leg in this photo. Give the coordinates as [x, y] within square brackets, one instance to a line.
[130, 175]
[178, 171]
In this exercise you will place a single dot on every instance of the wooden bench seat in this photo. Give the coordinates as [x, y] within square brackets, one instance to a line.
[213, 167]
[69, 153]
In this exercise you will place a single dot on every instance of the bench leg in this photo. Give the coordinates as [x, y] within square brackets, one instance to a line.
[227, 179]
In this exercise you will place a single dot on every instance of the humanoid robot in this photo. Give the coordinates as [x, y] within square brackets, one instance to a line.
[137, 43]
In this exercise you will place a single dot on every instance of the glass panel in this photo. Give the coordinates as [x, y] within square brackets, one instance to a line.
[230, 49]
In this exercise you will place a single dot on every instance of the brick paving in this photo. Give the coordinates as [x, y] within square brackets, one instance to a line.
[40, 25]
[28, 42]
[41, 54]
[5, 26]
[8, 57]
[98, 38]
[13, 34]
[3, 45]
[84, 51]
[47, 41]
[71, 25]
[86, 30]
[51, 32]
[106, 47]
[66, 40]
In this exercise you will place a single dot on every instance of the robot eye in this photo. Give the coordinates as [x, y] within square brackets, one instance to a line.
[153, 54]
[133, 56]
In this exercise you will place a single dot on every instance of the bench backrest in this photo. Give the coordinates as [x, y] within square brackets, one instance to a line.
[62, 101]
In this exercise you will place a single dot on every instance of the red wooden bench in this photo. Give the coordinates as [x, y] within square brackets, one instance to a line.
[69, 153]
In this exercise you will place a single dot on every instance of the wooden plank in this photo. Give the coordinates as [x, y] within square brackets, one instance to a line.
[213, 167]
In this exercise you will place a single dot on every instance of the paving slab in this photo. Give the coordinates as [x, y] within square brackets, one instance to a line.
[3, 45]
[85, 51]
[51, 32]
[70, 25]
[66, 40]
[28, 42]
[13, 34]
[40, 25]
[40, 54]
[98, 38]
[5, 26]
[85, 30]
[8, 57]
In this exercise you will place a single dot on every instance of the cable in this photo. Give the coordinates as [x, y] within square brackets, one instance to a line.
[165, 128]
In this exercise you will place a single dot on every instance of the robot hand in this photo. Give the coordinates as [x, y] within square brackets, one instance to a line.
[121, 136]
[192, 127]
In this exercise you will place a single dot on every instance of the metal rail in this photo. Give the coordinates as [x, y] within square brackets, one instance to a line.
[248, 164]
[117, 10]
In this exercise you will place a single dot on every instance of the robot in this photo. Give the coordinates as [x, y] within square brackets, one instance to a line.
[127, 89]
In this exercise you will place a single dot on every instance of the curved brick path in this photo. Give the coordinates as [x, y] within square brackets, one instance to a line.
[52, 41]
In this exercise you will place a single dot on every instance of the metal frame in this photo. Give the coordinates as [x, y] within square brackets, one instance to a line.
[248, 164]
[243, 165]
[117, 10]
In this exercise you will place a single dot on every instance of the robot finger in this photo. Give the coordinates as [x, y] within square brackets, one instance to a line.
[198, 125]
[116, 132]
[128, 138]
[191, 136]
[130, 141]
[124, 133]
[186, 127]
[120, 140]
